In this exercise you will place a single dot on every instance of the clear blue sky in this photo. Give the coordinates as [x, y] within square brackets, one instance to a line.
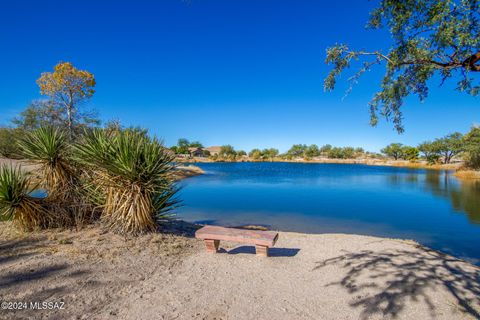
[247, 73]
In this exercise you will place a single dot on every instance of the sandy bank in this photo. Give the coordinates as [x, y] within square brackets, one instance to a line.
[183, 172]
[328, 276]
[17, 163]
[468, 174]
[367, 161]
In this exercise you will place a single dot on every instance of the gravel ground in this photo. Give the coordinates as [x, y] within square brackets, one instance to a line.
[330, 276]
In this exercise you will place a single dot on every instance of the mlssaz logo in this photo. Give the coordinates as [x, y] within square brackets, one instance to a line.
[50, 305]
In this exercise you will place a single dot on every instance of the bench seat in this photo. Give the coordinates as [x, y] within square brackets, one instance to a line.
[212, 235]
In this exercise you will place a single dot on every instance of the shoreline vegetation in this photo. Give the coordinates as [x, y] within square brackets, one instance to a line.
[454, 151]
[373, 162]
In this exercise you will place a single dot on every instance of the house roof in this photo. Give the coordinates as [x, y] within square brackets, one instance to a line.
[213, 149]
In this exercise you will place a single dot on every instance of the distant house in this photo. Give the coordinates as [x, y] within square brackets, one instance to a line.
[196, 152]
[214, 150]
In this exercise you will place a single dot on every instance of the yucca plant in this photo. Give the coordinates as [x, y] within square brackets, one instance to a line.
[16, 204]
[135, 175]
[48, 148]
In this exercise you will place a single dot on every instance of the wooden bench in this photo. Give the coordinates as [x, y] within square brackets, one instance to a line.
[212, 235]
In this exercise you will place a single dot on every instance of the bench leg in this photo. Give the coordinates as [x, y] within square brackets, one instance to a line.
[212, 245]
[261, 250]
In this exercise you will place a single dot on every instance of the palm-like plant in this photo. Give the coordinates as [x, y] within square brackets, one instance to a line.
[135, 175]
[16, 203]
[48, 148]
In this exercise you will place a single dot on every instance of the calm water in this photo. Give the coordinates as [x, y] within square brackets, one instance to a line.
[431, 207]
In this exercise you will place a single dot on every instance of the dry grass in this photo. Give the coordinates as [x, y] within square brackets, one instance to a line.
[128, 210]
[91, 244]
[467, 174]
[365, 161]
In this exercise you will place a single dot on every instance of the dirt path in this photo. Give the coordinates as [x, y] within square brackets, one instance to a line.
[331, 276]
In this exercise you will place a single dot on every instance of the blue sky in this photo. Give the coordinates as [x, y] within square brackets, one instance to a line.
[247, 73]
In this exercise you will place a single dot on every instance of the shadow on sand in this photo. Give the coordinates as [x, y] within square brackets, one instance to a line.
[273, 252]
[384, 282]
[13, 250]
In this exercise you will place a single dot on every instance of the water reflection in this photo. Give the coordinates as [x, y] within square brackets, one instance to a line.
[462, 194]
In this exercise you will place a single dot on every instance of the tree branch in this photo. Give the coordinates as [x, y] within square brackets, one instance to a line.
[469, 63]
[376, 53]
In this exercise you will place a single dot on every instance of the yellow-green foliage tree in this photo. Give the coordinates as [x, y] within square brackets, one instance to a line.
[68, 87]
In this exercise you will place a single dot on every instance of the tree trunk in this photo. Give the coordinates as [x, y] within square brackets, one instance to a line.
[70, 106]
[69, 120]
[448, 157]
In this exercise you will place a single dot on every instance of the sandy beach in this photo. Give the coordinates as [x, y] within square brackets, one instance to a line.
[170, 276]
[17, 163]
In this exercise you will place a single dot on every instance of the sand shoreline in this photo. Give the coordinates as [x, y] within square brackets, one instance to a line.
[370, 162]
[170, 276]
[459, 171]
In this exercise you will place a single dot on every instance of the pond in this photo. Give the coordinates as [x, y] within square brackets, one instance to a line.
[431, 207]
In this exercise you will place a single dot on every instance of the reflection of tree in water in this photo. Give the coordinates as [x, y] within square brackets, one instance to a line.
[467, 199]
[464, 195]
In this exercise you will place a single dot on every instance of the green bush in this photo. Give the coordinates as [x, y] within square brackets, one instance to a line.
[472, 148]
[8, 146]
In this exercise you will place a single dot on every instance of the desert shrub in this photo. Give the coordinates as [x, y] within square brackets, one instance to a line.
[16, 204]
[132, 175]
[50, 150]
[8, 146]
[472, 148]
[341, 153]
[410, 153]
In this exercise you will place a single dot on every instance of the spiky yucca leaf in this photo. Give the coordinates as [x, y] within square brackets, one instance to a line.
[15, 202]
[135, 173]
[48, 148]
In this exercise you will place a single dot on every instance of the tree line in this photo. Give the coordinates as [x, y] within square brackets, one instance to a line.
[441, 150]
[228, 152]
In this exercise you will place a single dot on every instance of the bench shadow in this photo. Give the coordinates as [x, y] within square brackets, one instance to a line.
[179, 228]
[272, 252]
